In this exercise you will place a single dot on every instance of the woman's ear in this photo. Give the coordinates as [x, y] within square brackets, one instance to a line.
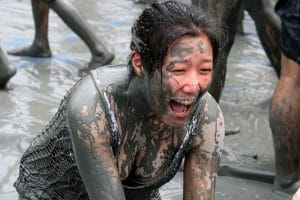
[137, 63]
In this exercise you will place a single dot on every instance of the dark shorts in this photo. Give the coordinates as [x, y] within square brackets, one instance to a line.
[289, 13]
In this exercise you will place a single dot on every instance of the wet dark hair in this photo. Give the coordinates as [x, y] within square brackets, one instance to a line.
[161, 24]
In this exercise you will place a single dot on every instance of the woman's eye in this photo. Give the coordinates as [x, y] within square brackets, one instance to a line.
[205, 70]
[178, 71]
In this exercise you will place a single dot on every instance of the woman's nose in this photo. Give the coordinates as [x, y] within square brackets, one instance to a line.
[191, 85]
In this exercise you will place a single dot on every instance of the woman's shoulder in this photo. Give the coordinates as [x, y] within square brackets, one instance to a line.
[89, 89]
[211, 129]
[83, 93]
[211, 108]
[110, 75]
[209, 100]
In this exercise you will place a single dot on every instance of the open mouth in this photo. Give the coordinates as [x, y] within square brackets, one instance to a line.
[180, 108]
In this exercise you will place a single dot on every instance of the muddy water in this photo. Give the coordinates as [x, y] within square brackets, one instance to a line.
[33, 94]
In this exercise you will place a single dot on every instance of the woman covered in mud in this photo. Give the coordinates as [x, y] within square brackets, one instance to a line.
[122, 131]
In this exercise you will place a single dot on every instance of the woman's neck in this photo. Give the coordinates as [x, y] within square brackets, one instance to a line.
[133, 111]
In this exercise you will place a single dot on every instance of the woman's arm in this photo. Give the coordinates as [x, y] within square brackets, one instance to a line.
[202, 162]
[91, 142]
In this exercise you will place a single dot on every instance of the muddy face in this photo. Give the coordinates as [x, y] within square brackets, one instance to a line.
[186, 76]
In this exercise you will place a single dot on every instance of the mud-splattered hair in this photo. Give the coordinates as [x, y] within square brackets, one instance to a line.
[161, 24]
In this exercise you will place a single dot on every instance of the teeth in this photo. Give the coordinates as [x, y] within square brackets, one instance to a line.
[185, 101]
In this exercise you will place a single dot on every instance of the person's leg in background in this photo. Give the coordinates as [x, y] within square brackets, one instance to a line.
[6, 71]
[285, 126]
[75, 21]
[267, 24]
[229, 12]
[71, 16]
[285, 108]
[40, 45]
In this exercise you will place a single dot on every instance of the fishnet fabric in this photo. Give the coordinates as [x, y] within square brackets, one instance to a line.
[48, 168]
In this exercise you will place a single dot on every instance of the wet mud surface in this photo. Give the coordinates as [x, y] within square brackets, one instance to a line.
[33, 94]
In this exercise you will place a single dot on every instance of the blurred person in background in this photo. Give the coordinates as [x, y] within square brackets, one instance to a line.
[70, 15]
[6, 71]
[285, 107]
